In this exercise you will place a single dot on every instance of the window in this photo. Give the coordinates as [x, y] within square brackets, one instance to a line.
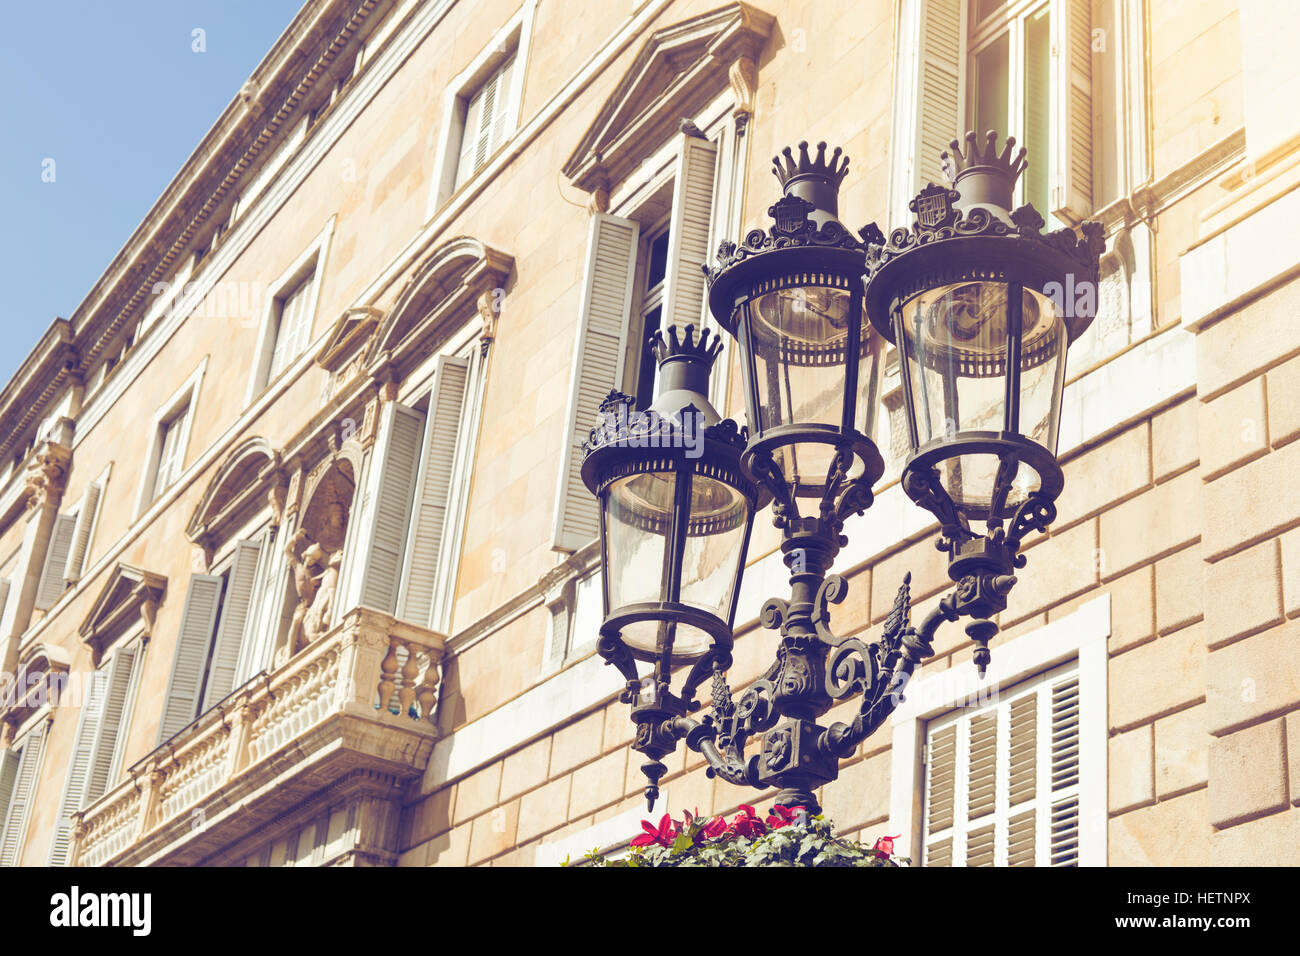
[293, 327]
[1002, 780]
[649, 317]
[486, 121]
[69, 547]
[1009, 89]
[171, 426]
[643, 273]
[170, 452]
[1012, 768]
[1020, 67]
[20, 765]
[97, 754]
[409, 568]
[216, 620]
[289, 314]
[481, 107]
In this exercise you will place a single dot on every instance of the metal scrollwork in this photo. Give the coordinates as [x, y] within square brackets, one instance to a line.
[832, 591]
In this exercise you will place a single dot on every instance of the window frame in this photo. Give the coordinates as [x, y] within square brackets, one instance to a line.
[463, 344]
[511, 41]
[182, 404]
[1082, 635]
[1010, 20]
[308, 267]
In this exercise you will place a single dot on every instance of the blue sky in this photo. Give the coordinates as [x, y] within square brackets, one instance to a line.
[116, 95]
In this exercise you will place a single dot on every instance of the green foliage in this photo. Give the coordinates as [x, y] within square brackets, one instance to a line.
[794, 844]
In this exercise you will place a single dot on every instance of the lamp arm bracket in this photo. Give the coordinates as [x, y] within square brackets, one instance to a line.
[701, 736]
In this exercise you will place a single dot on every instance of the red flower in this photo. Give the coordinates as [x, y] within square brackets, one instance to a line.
[661, 835]
[885, 845]
[712, 830]
[747, 823]
[784, 816]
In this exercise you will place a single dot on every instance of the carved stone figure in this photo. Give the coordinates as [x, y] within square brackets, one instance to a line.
[315, 555]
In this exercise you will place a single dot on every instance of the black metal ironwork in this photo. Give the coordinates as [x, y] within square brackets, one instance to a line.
[959, 235]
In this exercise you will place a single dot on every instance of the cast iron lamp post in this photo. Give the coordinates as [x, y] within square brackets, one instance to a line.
[979, 303]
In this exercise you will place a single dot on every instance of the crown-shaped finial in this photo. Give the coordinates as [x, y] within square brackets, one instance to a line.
[832, 172]
[955, 162]
[688, 342]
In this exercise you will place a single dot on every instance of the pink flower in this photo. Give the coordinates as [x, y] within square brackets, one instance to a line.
[747, 823]
[661, 835]
[885, 845]
[784, 816]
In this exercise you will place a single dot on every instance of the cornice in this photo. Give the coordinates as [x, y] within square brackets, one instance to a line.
[303, 54]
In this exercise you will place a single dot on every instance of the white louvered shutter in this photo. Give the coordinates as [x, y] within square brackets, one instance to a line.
[597, 366]
[198, 623]
[485, 122]
[697, 163]
[433, 491]
[928, 97]
[940, 794]
[399, 462]
[86, 520]
[294, 329]
[123, 676]
[1071, 26]
[1064, 794]
[169, 455]
[77, 783]
[14, 825]
[235, 613]
[9, 759]
[1002, 782]
[52, 584]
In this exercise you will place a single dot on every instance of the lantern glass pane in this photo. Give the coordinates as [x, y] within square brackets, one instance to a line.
[956, 340]
[715, 537]
[1042, 380]
[638, 521]
[799, 340]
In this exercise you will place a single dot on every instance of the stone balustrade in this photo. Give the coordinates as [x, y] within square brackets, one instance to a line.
[281, 730]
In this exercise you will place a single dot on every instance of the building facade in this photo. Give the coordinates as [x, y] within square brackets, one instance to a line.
[296, 564]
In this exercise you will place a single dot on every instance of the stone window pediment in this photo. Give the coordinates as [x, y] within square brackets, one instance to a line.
[677, 72]
[130, 598]
[352, 333]
[38, 681]
[237, 494]
[462, 274]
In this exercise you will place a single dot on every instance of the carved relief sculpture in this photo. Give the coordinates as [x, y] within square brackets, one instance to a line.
[315, 555]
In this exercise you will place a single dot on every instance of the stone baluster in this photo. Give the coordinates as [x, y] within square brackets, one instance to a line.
[411, 670]
[388, 674]
[150, 796]
[427, 694]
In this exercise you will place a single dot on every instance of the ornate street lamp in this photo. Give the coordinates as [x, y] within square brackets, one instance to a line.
[975, 297]
[675, 516]
[982, 306]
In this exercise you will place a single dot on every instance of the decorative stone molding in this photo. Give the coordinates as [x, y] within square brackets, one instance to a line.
[337, 708]
[489, 313]
[344, 354]
[743, 76]
[446, 285]
[677, 72]
[130, 597]
[37, 683]
[47, 475]
[236, 493]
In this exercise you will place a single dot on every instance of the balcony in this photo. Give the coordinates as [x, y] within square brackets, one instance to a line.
[266, 750]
